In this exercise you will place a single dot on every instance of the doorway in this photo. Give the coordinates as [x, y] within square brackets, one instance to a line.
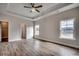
[23, 31]
[4, 31]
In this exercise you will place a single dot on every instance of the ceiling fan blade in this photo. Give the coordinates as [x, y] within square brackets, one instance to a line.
[39, 6]
[37, 10]
[27, 7]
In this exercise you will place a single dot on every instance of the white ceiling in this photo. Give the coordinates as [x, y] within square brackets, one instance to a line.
[18, 9]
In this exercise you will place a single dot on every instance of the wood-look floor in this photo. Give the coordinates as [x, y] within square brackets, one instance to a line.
[33, 47]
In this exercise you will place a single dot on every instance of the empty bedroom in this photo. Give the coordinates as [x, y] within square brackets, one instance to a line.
[39, 29]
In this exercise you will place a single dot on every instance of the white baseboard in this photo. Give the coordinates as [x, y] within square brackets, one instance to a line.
[14, 40]
[75, 46]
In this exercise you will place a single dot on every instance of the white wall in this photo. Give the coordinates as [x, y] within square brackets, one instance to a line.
[49, 27]
[15, 26]
[30, 32]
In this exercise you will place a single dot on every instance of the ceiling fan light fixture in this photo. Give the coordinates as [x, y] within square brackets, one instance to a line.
[33, 10]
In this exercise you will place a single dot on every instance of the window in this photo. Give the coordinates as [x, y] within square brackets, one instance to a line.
[67, 29]
[29, 32]
[36, 29]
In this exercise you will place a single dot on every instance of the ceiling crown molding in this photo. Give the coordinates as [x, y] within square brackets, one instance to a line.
[65, 8]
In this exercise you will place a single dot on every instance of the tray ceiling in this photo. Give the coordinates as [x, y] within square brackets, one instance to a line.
[18, 9]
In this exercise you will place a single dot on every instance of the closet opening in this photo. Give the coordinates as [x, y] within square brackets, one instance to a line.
[4, 31]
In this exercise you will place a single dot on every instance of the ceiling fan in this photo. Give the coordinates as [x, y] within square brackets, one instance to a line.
[33, 7]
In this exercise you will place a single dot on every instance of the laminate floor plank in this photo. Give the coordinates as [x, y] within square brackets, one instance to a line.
[34, 47]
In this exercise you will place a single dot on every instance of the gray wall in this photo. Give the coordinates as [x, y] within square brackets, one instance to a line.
[49, 27]
[15, 26]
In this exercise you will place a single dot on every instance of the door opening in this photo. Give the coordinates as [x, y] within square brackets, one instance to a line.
[23, 31]
[4, 31]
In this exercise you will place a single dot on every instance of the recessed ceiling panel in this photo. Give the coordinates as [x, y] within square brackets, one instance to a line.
[18, 8]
